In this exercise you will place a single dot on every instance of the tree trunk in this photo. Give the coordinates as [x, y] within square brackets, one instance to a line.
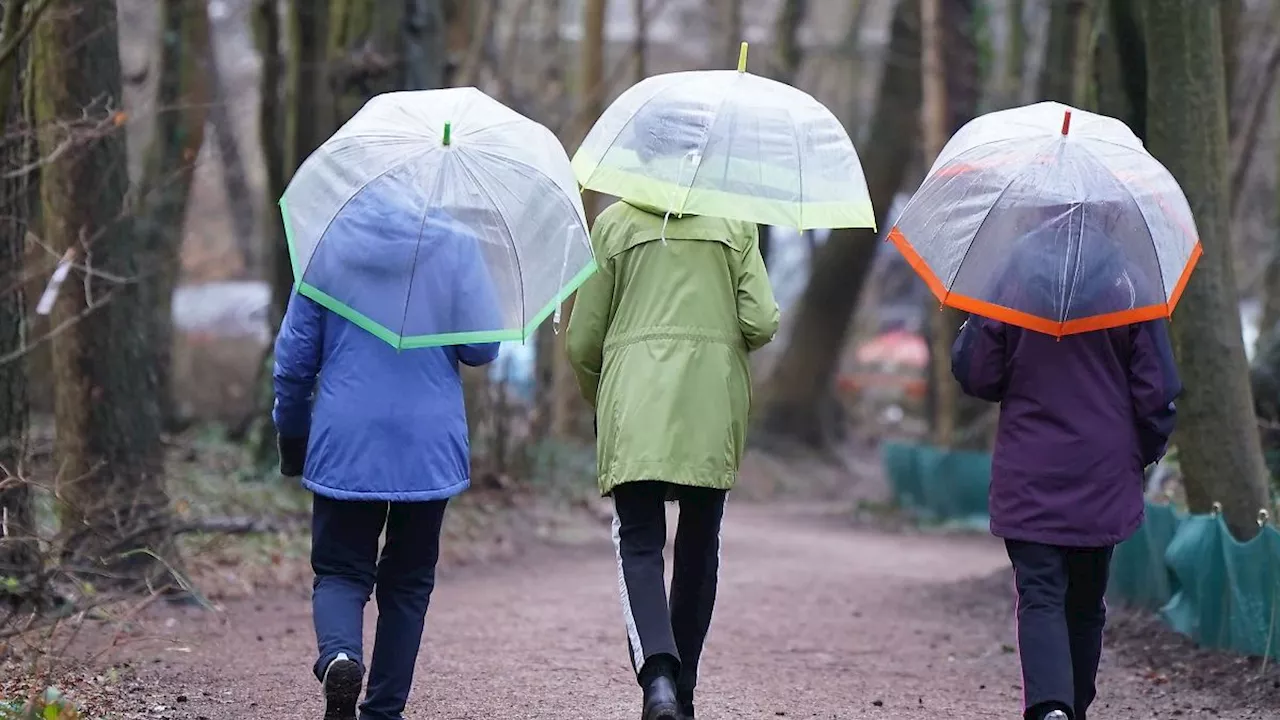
[182, 99]
[934, 135]
[640, 44]
[790, 55]
[1122, 67]
[110, 473]
[951, 82]
[1070, 33]
[731, 37]
[1016, 56]
[377, 47]
[1218, 442]
[569, 413]
[1271, 283]
[799, 407]
[19, 557]
[235, 180]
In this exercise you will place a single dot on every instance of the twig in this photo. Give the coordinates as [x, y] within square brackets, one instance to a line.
[11, 44]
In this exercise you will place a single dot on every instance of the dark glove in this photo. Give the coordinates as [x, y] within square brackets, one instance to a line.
[293, 455]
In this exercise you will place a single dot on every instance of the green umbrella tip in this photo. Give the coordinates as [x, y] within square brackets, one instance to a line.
[742, 58]
[448, 133]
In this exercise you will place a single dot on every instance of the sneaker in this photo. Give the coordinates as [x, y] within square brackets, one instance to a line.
[342, 680]
[1056, 715]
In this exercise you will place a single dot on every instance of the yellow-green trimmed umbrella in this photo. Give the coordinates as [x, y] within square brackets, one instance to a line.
[727, 144]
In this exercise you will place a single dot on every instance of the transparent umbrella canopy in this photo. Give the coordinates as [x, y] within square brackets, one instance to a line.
[438, 217]
[727, 144]
[1053, 219]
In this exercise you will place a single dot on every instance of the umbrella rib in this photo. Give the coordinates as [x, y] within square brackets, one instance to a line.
[515, 250]
[365, 185]
[715, 118]
[1164, 291]
[530, 167]
[413, 271]
[1016, 176]
[622, 128]
[795, 140]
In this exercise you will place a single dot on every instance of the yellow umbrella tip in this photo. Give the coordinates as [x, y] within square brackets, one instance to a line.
[742, 58]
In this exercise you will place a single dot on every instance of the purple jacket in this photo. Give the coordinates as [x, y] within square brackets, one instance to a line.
[1080, 418]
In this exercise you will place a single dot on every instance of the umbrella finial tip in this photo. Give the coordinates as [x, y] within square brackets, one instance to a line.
[448, 133]
[1066, 122]
[742, 57]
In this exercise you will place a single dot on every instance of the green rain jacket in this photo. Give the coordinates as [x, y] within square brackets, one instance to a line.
[659, 339]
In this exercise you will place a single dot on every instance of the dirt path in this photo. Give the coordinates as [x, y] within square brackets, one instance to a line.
[815, 620]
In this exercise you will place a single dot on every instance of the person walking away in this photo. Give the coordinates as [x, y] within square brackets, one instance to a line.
[658, 340]
[1080, 419]
[384, 446]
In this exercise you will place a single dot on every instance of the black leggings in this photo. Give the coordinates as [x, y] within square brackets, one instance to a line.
[672, 633]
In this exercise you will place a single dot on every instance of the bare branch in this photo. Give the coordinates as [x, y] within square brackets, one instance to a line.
[13, 41]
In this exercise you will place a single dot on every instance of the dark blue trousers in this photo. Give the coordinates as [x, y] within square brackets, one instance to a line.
[1061, 614]
[344, 557]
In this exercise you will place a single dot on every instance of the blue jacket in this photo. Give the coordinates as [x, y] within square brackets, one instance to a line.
[386, 424]
[382, 423]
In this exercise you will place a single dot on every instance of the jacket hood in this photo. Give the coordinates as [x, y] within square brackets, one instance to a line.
[654, 210]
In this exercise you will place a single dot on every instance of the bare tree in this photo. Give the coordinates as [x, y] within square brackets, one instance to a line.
[182, 101]
[110, 470]
[1218, 442]
[800, 403]
[235, 179]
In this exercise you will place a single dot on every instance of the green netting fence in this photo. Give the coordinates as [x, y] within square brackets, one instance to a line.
[945, 486]
[1218, 591]
[1206, 585]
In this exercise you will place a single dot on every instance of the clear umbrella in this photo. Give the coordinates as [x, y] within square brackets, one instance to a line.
[438, 217]
[1053, 219]
[727, 144]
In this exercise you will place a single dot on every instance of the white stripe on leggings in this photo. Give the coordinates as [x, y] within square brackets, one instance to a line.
[637, 652]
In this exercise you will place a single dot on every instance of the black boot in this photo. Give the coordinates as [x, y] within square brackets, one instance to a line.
[685, 699]
[660, 700]
[657, 678]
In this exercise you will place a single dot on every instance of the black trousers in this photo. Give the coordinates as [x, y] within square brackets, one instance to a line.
[348, 568]
[1061, 614]
[671, 634]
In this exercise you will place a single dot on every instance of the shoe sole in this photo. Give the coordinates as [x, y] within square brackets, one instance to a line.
[663, 712]
[342, 691]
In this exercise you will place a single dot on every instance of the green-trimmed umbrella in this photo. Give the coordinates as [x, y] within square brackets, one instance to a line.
[727, 144]
[438, 217]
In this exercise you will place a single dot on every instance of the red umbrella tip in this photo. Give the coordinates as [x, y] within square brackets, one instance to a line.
[1066, 122]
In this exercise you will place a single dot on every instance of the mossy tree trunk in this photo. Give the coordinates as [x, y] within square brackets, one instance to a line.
[19, 558]
[110, 472]
[800, 403]
[1218, 442]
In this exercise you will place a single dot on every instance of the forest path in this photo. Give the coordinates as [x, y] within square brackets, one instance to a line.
[815, 620]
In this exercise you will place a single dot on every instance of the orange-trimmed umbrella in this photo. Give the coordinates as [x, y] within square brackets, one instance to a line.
[1052, 219]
